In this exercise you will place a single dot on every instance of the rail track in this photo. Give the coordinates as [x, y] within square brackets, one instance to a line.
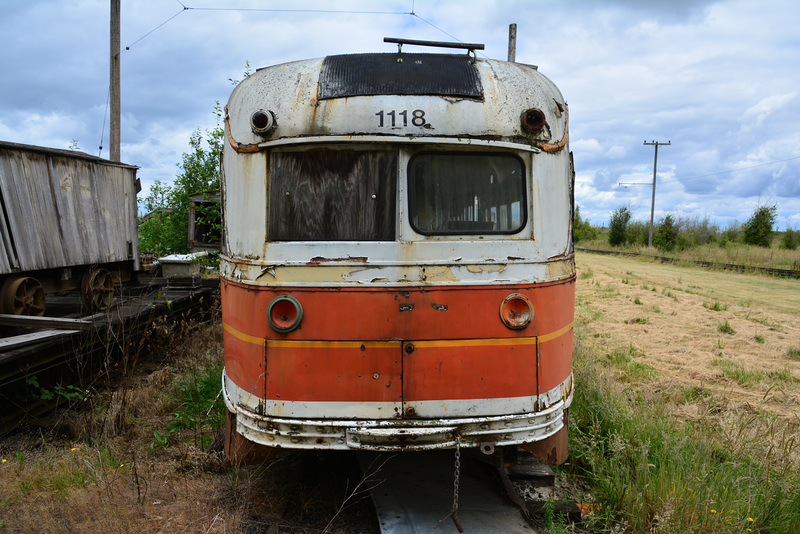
[787, 273]
[44, 359]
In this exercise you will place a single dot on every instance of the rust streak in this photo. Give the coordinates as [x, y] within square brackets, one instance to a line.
[238, 147]
[319, 259]
[552, 148]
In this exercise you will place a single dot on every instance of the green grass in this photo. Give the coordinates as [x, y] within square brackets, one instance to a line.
[726, 328]
[198, 411]
[739, 373]
[667, 293]
[715, 307]
[650, 473]
[794, 353]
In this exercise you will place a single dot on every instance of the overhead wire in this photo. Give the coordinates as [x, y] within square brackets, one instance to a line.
[629, 184]
[185, 8]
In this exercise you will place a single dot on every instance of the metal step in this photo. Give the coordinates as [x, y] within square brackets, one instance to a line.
[413, 491]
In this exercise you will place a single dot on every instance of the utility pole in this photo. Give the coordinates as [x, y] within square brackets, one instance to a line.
[114, 89]
[512, 43]
[653, 202]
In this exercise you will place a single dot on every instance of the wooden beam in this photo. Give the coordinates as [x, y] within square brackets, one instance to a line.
[57, 323]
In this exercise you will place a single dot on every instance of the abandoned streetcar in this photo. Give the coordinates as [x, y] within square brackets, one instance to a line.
[398, 270]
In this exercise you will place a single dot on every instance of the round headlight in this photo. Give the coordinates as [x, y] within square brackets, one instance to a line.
[284, 314]
[516, 311]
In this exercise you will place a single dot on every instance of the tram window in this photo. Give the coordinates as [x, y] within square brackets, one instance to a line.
[467, 194]
[333, 195]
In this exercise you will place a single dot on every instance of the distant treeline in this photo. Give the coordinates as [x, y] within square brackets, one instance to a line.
[683, 233]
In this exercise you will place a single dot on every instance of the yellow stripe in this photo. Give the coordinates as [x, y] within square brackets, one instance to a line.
[389, 344]
[332, 344]
[244, 337]
[558, 333]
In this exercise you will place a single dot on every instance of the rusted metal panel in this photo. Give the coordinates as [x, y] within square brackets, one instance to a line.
[290, 92]
[63, 208]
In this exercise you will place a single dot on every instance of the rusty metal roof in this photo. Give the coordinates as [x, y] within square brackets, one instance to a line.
[381, 74]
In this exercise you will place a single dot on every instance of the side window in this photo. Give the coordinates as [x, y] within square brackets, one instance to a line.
[467, 193]
[333, 195]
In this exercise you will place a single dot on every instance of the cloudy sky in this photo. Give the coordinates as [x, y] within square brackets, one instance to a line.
[719, 79]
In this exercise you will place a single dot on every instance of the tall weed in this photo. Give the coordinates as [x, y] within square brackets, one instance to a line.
[651, 473]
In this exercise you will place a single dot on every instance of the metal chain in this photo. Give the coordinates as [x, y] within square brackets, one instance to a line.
[457, 473]
[454, 512]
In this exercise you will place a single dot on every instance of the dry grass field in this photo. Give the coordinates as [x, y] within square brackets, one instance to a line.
[687, 410]
[735, 336]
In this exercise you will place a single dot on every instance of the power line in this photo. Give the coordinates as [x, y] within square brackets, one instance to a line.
[730, 171]
[628, 184]
[185, 8]
[157, 27]
[265, 10]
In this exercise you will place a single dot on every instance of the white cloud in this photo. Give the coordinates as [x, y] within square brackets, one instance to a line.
[756, 114]
[714, 77]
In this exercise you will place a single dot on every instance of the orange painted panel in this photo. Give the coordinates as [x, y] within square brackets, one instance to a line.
[555, 363]
[393, 313]
[334, 372]
[469, 371]
[463, 350]
[244, 363]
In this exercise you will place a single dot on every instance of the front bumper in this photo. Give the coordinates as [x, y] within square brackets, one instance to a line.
[396, 434]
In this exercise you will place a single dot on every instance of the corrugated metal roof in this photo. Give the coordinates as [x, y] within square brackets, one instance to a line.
[381, 74]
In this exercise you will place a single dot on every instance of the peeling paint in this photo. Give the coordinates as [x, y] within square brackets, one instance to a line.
[438, 273]
[487, 268]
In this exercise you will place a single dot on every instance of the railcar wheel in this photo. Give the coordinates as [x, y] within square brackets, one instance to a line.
[23, 296]
[97, 289]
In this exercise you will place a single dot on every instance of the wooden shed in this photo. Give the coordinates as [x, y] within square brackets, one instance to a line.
[67, 220]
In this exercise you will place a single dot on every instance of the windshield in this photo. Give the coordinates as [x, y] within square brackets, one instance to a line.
[466, 193]
[333, 195]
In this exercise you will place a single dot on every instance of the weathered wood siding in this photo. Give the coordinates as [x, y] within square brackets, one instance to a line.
[60, 208]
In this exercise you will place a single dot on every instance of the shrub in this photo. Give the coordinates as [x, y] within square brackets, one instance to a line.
[616, 228]
[637, 233]
[790, 239]
[583, 229]
[666, 236]
[758, 228]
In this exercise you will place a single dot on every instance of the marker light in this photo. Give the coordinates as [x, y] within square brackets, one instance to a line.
[533, 120]
[284, 314]
[262, 121]
[516, 311]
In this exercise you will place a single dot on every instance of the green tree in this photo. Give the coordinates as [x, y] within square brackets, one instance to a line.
[616, 228]
[758, 228]
[583, 229]
[790, 239]
[166, 231]
[156, 233]
[666, 235]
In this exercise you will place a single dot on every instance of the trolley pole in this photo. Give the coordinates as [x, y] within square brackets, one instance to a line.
[653, 201]
[512, 43]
